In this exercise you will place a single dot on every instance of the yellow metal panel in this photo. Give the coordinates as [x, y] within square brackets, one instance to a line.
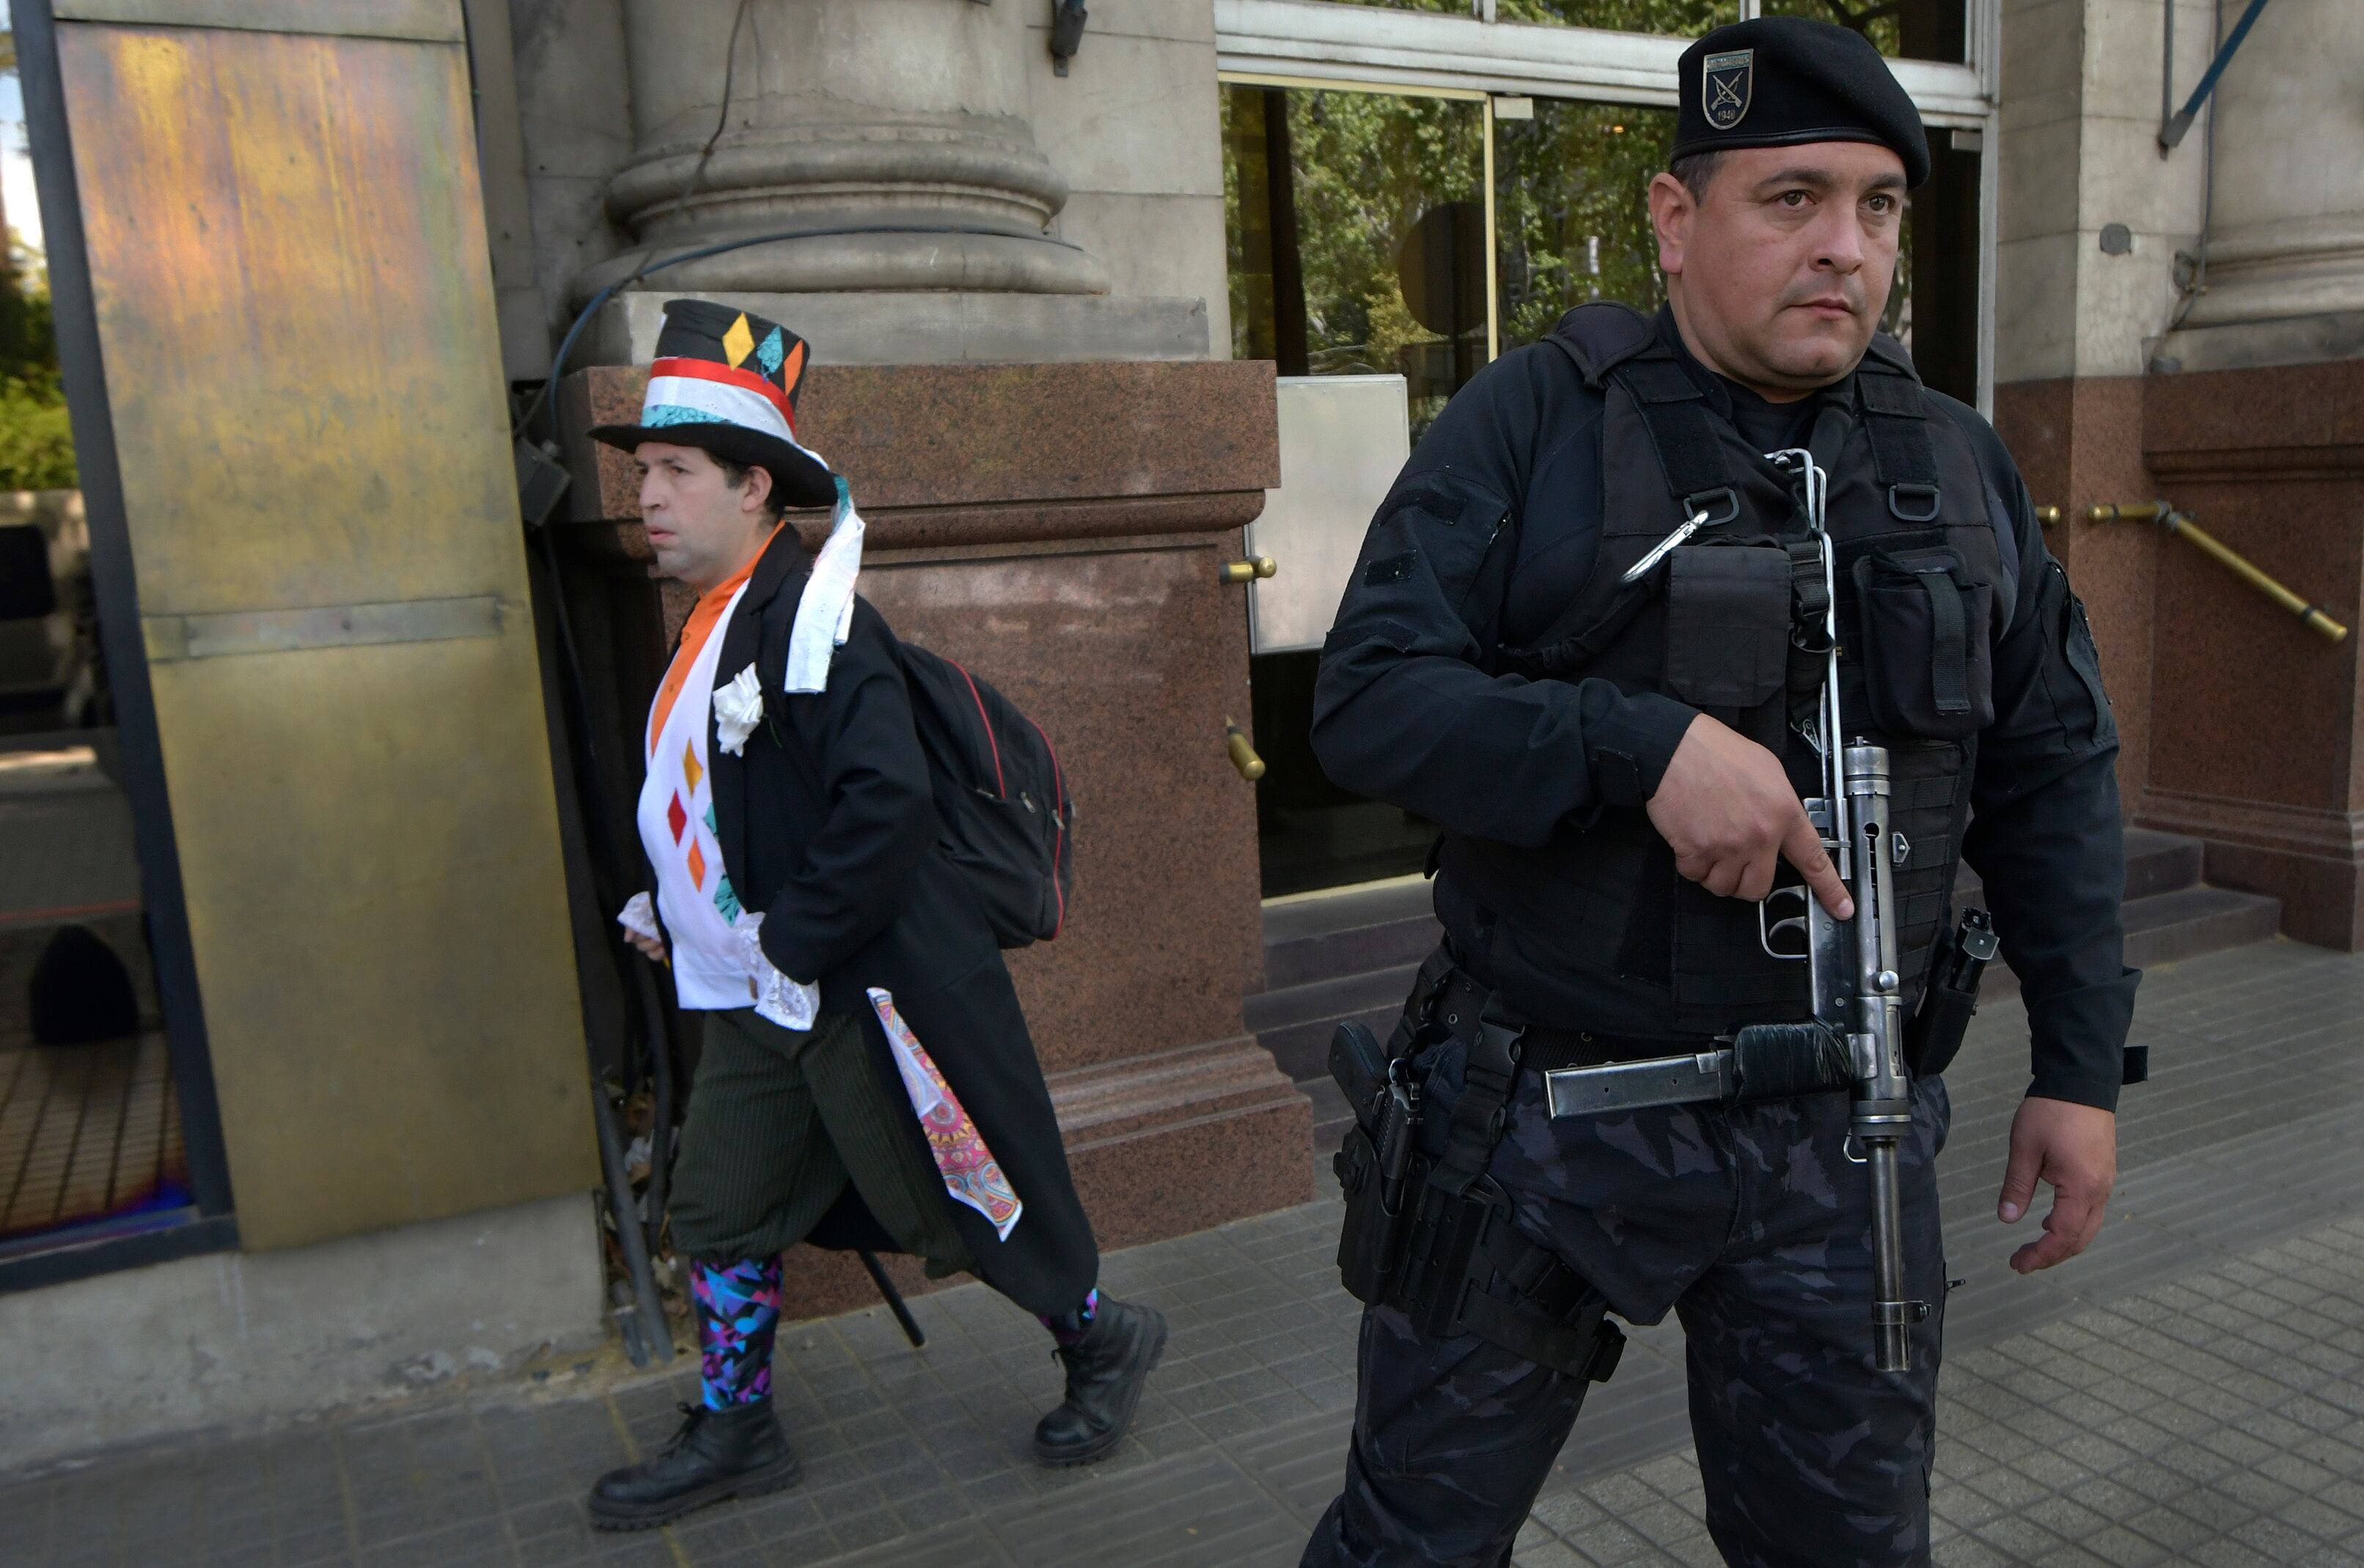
[287, 248]
[432, 21]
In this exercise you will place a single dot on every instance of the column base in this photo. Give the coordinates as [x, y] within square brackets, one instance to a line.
[2310, 860]
[879, 327]
[2254, 717]
[2243, 345]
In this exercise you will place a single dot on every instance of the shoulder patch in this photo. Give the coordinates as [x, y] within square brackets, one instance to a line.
[1389, 568]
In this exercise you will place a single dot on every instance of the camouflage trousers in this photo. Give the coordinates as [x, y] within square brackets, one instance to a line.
[1750, 1223]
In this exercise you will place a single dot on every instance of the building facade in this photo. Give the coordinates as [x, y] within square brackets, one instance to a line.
[1100, 317]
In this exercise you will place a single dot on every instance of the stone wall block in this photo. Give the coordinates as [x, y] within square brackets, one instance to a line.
[2040, 191]
[2035, 307]
[2078, 441]
[1133, 113]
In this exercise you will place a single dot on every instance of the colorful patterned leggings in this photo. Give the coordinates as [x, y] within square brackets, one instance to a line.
[738, 1317]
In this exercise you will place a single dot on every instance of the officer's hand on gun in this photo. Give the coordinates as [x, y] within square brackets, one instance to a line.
[1728, 812]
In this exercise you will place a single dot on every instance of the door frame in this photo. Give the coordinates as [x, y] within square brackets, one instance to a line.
[213, 1227]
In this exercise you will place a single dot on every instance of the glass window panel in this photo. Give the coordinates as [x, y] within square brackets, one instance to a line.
[1357, 236]
[1912, 30]
[1456, 7]
[1572, 213]
[1683, 19]
[1938, 271]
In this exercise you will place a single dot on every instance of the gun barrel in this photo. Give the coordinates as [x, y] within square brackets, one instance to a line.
[1892, 1316]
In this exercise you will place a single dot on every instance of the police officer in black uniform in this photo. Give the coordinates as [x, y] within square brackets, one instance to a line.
[1619, 773]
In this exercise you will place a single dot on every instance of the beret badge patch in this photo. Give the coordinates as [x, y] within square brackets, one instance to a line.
[1727, 83]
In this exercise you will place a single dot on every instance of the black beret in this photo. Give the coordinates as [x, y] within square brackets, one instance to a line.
[1781, 81]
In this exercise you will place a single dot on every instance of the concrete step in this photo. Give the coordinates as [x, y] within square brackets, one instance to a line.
[1351, 931]
[1295, 1022]
[2193, 920]
[2156, 862]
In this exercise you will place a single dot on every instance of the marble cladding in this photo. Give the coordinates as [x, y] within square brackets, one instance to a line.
[2078, 441]
[1057, 528]
[2255, 717]
[931, 451]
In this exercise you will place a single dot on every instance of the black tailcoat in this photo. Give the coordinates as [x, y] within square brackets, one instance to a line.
[828, 825]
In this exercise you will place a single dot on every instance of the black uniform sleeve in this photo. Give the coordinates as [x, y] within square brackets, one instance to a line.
[1404, 710]
[857, 871]
[2045, 835]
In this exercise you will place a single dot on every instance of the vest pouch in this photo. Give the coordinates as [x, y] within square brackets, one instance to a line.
[1926, 665]
[1728, 634]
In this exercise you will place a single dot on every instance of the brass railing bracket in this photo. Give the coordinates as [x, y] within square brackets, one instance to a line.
[1246, 570]
[1243, 755]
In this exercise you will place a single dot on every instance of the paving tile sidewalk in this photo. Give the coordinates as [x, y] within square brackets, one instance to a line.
[2191, 1392]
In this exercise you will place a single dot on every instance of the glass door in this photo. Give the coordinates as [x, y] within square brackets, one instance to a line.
[1358, 244]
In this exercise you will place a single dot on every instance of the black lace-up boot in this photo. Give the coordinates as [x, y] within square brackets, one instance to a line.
[1106, 1370]
[739, 1453]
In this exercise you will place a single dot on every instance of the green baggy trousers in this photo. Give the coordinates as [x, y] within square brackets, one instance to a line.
[779, 1121]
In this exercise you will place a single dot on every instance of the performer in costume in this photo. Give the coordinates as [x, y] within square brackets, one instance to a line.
[868, 1077]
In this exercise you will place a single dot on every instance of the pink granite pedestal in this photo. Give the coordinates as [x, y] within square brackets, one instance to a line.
[2255, 719]
[1058, 529]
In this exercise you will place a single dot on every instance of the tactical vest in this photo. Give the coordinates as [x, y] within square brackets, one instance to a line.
[1598, 919]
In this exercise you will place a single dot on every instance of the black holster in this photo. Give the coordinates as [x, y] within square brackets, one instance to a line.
[1436, 1239]
[1958, 962]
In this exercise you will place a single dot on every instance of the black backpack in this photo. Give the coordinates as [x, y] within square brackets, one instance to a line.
[1009, 822]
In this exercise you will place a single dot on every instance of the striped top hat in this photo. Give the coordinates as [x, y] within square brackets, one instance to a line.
[727, 382]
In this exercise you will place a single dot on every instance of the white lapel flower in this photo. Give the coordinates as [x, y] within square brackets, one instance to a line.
[738, 708]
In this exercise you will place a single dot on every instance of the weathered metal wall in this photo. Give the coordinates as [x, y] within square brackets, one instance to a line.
[297, 319]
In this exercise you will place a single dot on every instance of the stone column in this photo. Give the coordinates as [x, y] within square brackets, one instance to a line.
[895, 134]
[2285, 250]
[2079, 155]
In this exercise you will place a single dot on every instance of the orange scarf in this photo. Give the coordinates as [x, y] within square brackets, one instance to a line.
[708, 610]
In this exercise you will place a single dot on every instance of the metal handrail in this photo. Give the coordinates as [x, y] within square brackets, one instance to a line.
[2180, 524]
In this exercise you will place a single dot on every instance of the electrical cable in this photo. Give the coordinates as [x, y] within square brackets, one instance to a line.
[721, 115]
[2197, 285]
